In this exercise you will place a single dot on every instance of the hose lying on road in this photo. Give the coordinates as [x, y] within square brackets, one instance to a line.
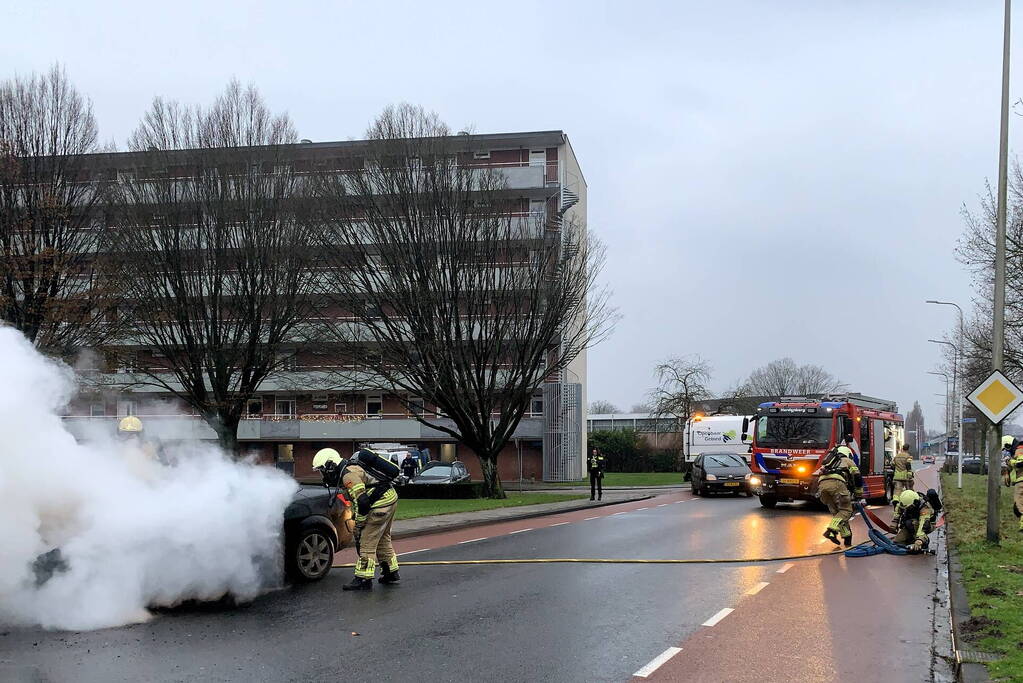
[566, 560]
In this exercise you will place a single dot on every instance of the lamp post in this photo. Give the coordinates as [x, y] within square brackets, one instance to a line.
[957, 396]
[948, 419]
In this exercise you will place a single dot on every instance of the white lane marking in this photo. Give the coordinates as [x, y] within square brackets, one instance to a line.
[663, 505]
[409, 552]
[638, 509]
[520, 531]
[619, 513]
[785, 567]
[589, 518]
[559, 523]
[718, 617]
[472, 540]
[757, 588]
[657, 661]
[680, 501]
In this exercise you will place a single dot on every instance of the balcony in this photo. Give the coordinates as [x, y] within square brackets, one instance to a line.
[158, 427]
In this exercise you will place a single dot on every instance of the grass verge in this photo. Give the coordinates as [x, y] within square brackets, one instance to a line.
[993, 575]
[411, 508]
[632, 479]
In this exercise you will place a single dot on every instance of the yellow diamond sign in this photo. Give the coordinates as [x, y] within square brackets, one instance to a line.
[996, 397]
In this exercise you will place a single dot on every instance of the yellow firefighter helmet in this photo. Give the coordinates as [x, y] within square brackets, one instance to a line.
[325, 455]
[129, 425]
[908, 497]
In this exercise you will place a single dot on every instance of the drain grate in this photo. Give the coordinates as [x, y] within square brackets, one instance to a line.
[976, 656]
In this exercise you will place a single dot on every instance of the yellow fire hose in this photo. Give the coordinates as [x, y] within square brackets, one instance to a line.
[566, 560]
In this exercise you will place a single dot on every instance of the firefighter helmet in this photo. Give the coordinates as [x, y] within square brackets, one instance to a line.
[908, 497]
[1007, 440]
[129, 425]
[845, 450]
[324, 456]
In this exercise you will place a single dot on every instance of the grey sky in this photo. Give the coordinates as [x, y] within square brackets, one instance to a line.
[771, 178]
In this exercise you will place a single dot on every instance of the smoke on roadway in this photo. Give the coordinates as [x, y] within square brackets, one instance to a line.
[132, 532]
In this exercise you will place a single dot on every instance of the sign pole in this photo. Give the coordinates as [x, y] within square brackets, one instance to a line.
[998, 322]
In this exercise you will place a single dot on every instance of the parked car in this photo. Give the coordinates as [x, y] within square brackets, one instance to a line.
[442, 473]
[721, 472]
[314, 529]
[928, 460]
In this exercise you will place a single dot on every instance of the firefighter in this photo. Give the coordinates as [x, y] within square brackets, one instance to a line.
[839, 480]
[1014, 478]
[903, 476]
[374, 504]
[914, 519]
[595, 465]
[139, 453]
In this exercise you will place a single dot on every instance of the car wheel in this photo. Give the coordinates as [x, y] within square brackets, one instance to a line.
[310, 555]
[768, 501]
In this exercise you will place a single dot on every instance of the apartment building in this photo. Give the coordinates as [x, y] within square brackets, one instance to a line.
[305, 407]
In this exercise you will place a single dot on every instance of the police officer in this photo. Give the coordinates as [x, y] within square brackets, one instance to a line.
[903, 476]
[374, 504]
[839, 480]
[1014, 478]
[914, 519]
[595, 465]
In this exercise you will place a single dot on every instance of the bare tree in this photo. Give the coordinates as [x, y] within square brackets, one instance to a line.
[641, 408]
[784, 378]
[50, 226]
[603, 407]
[682, 383]
[455, 294]
[915, 423]
[212, 251]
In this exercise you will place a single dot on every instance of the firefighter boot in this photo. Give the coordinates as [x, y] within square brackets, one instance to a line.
[847, 540]
[389, 577]
[358, 584]
[831, 535]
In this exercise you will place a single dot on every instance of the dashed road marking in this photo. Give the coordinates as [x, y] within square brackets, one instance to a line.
[785, 567]
[559, 524]
[589, 518]
[663, 505]
[520, 531]
[718, 617]
[638, 509]
[677, 502]
[472, 540]
[757, 588]
[619, 513]
[409, 552]
[657, 661]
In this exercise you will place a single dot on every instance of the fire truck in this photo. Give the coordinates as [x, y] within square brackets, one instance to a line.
[791, 436]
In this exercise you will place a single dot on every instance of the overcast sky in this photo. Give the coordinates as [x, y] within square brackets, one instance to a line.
[771, 178]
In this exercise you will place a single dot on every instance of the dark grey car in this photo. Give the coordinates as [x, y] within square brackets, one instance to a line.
[442, 473]
[720, 472]
[314, 529]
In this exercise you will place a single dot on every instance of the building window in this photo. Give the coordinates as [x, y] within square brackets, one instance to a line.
[255, 407]
[340, 408]
[416, 405]
[481, 155]
[97, 410]
[536, 406]
[125, 408]
[285, 408]
[374, 405]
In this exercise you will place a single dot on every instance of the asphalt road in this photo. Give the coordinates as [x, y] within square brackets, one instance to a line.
[528, 622]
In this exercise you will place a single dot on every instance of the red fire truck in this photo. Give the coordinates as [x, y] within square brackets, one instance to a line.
[791, 436]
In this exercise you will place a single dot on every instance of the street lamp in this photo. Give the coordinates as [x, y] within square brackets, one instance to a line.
[957, 396]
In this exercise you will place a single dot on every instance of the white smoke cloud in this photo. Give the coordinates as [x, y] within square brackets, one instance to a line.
[132, 532]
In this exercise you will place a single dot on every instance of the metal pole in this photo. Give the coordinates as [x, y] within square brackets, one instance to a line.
[998, 319]
[957, 395]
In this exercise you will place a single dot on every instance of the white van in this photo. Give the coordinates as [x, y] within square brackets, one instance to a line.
[717, 434]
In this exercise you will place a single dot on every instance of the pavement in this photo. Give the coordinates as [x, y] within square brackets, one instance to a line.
[818, 619]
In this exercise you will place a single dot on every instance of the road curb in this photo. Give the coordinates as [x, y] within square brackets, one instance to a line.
[514, 518]
[966, 672]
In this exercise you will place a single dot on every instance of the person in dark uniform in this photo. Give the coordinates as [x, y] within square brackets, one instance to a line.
[595, 465]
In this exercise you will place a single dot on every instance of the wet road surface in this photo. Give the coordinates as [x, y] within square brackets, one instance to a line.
[812, 620]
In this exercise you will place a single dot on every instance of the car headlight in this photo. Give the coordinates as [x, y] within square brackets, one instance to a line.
[753, 481]
[711, 477]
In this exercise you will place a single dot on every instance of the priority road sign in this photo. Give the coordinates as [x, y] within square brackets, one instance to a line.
[996, 397]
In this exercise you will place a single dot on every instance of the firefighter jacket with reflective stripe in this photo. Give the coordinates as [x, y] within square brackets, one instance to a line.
[358, 483]
[596, 464]
[913, 516]
[903, 467]
[1016, 468]
[844, 470]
